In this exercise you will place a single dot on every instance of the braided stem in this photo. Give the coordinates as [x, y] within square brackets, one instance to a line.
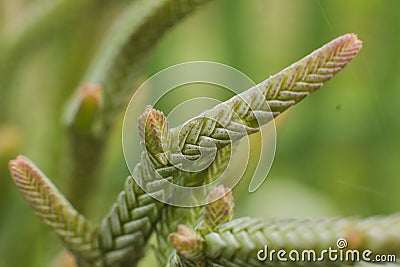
[129, 224]
[172, 216]
[237, 242]
[54, 210]
[243, 114]
[235, 118]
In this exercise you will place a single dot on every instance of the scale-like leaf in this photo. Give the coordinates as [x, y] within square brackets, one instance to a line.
[54, 210]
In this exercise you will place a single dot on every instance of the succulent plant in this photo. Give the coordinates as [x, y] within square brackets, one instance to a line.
[205, 235]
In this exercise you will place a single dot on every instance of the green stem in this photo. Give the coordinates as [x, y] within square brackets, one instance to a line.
[83, 172]
[37, 22]
[114, 69]
[117, 64]
[268, 100]
[172, 216]
[237, 243]
[76, 232]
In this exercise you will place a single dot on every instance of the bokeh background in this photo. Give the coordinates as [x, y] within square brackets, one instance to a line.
[337, 152]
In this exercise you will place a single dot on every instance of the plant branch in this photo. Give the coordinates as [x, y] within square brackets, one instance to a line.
[172, 216]
[54, 210]
[36, 23]
[115, 70]
[279, 92]
[126, 228]
[189, 244]
[237, 243]
[245, 113]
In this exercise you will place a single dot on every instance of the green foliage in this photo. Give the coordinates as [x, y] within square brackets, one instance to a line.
[219, 211]
[115, 69]
[125, 230]
[54, 210]
[237, 242]
[127, 227]
[117, 63]
[172, 217]
[199, 236]
[188, 244]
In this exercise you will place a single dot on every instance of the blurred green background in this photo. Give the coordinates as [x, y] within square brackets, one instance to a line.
[337, 152]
